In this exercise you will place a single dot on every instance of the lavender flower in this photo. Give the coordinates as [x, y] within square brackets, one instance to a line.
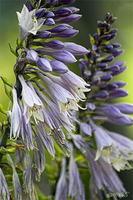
[32, 103]
[76, 189]
[4, 191]
[16, 117]
[16, 182]
[103, 177]
[117, 150]
[61, 189]
[38, 159]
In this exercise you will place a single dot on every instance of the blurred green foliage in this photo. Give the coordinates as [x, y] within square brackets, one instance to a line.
[92, 10]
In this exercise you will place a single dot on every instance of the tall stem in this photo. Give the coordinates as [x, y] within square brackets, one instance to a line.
[4, 138]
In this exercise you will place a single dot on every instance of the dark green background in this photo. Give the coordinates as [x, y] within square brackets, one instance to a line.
[92, 10]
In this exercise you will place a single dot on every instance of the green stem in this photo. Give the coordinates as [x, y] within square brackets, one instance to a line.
[4, 138]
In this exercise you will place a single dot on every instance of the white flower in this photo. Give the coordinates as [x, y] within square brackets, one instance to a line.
[32, 103]
[28, 22]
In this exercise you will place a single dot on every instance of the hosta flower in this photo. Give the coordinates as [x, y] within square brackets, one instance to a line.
[32, 103]
[76, 189]
[116, 149]
[16, 117]
[63, 97]
[28, 23]
[38, 158]
[103, 177]
[61, 189]
[4, 191]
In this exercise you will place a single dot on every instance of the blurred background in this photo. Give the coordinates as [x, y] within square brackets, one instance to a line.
[92, 10]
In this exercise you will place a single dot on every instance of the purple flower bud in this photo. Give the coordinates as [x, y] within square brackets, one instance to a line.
[100, 24]
[108, 46]
[63, 56]
[113, 31]
[101, 66]
[28, 5]
[49, 22]
[122, 69]
[43, 34]
[116, 45]
[101, 95]
[96, 81]
[75, 49]
[61, 12]
[58, 67]
[124, 120]
[54, 44]
[82, 65]
[112, 20]
[120, 84]
[74, 10]
[125, 108]
[69, 19]
[90, 107]
[94, 47]
[119, 63]
[106, 78]
[44, 65]
[85, 129]
[111, 86]
[68, 33]
[49, 14]
[117, 52]
[60, 28]
[107, 16]
[112, 111]
[40, 13]
[118, 93]
[113, 35]
[108, 59]
[32, 56]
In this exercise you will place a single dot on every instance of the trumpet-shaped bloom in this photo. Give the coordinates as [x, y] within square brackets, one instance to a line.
[32, 103]
[16, 117]
[28, 22]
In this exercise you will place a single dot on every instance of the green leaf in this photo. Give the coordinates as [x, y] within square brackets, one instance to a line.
[5, 81]
[8, 92]
[2, 110]
[12, 50]
[92, 41]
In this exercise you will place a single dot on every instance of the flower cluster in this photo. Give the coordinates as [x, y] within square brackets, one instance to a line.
[102, 149]
[112, 149]
[46, 91]
[50, 91]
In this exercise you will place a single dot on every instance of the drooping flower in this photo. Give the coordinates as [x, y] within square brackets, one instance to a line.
[32, 103]
[4, 191]
[103, 177]
[76, 189]
[16, 117]
[116, 149]
[61, 188]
